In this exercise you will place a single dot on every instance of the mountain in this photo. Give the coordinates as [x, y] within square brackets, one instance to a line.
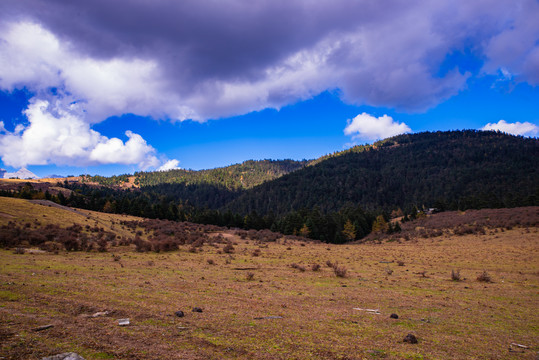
[234, 177]
[337, 198]
[447, 170]
[21, 174]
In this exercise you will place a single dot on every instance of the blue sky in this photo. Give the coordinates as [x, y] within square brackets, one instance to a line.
[87, 94]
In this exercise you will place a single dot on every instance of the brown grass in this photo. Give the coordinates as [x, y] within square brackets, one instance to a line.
[279, 313]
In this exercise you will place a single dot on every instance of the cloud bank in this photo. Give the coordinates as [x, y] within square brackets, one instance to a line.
[200, 60]
[517, 128]
[57, 135]
[368, 127]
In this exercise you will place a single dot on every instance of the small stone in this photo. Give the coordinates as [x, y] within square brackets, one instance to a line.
[64, 356]
[123, 322]
[410, 338]
[394, 316]
[197, 309]
[179, 313]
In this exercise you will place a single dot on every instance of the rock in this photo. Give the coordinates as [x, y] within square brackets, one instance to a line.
[100, 313]
[44, 327]
[268, 317]
[197, 309]
[64, 356]
[410, 338]
[179, 313]
[394, 316]
[123, 322]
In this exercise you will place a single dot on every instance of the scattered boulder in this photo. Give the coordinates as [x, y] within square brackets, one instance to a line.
[410, 338]
[197, 309]
[394, 316]
[64, 356]
[179, 313]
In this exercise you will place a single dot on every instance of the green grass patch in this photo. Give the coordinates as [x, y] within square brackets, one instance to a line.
[6, 295]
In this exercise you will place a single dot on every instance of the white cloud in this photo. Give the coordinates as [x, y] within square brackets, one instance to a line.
[368, 127]
[2, 127]
[169, 165]
[33, 57]
[517, 128]
[60, 136]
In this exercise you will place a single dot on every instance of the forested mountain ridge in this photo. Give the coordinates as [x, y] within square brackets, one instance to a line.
[340, 198]
[448, 170]
[233, 177]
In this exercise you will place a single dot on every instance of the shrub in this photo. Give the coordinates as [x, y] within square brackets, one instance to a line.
[455, 275]
[315, 267]
[484, 277]
[299, 267]
[210, 262]
[250, 276]
[228, 248]
[340, 271]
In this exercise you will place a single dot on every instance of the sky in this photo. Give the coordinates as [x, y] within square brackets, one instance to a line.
[113, 87]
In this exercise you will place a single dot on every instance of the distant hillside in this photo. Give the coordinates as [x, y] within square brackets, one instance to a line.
[234, 177]
[340, 197]
[448, 170]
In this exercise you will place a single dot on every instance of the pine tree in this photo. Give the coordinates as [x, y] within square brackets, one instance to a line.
[349, 231]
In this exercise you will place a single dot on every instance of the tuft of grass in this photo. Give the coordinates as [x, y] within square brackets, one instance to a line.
[455, 275]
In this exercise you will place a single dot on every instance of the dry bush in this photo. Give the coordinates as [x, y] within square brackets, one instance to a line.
[298, 267]
[256, 252]
[228, 249]
[484, 277]
[455, 275]
[250, 276]
[315, 267]
[19, 250]
[210, 262]
[340, 271]
[400, 263]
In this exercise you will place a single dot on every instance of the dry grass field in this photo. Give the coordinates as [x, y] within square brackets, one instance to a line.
[265, 300]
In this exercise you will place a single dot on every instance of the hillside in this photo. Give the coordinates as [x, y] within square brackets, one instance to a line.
[446, 170]
[334, 199]
[238, 176]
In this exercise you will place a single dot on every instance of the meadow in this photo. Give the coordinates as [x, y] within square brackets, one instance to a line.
[471, 295]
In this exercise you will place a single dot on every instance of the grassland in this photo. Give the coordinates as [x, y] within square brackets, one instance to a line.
[314, 310]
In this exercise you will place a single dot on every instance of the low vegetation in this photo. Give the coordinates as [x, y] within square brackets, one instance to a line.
[260, 306]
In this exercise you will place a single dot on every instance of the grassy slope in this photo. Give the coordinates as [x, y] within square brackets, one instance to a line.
[453, 320]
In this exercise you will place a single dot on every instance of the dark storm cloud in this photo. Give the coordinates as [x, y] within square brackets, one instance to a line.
[221, 58]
